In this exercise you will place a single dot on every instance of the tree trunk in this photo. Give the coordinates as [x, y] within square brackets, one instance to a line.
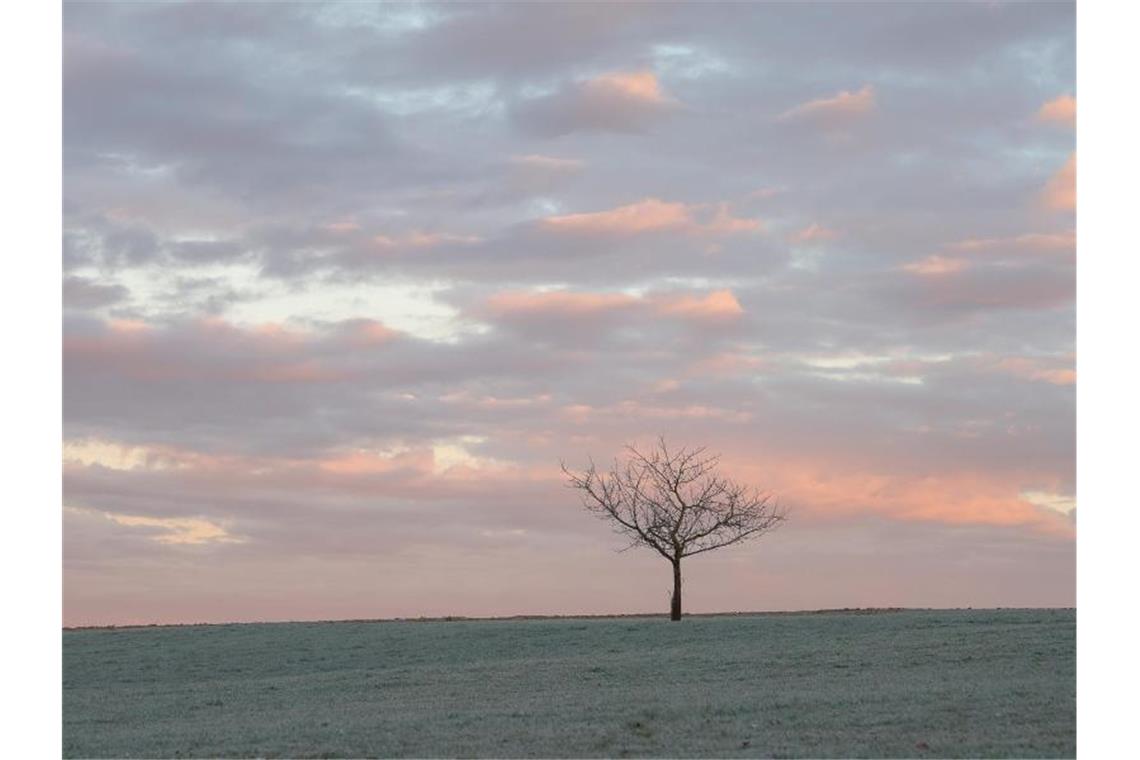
[675, 606]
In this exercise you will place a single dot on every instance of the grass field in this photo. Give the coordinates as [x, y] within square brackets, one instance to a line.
[997, 683]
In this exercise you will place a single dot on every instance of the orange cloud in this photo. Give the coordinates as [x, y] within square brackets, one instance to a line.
[1037, 370]
[716, 306]
[934, 266]
[1060, 194]
[650, 215]
[831, 489]
[638, 85]
[558, 302]
[1059, 110]
[377, 462]
[620, 101]
[844, 107]
[720, 305]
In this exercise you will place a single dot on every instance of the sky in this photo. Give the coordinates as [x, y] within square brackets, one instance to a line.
[344, 283]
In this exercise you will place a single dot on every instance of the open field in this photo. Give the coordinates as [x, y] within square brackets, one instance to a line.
[995, 683]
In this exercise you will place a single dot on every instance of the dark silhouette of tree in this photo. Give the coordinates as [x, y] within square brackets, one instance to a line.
[675, 503]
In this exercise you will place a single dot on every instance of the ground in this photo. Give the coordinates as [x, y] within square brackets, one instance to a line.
[961, 683]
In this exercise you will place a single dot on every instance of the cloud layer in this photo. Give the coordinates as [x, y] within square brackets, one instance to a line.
[343, 285]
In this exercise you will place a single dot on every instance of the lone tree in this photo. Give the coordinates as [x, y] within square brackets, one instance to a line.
[675, 503]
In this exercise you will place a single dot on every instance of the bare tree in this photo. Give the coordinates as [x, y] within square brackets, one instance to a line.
[675, 503]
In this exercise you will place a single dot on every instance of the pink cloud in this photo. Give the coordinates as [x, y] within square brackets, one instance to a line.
[637, 85]
[724, 223]
[307, 371]
[1040, 370]
[560, 303]
[620, 101]
[367, 332]
[1029, 241]
[266, 353]
[726, 363]
[1060, 110]
[717, 306]
[467, 399]
[375, 463]
[813, 233]
[838, 109]
[947, 285]
[648, 216]
[830, 489]
[1060, 193]
[129, 327]
[935, 266]
[420, 239]
[631, 409]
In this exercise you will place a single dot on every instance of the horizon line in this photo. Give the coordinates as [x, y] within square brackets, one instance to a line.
[584, 616]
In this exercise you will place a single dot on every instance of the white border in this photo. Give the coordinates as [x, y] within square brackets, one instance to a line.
[32, 139]
[1107, 294]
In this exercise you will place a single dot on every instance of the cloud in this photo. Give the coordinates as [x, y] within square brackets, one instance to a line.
[557, 303]
[648, 216]
[958, 286]
[619, 102]
[718, 306]
[1057, 372]
[638, 85]
[1060, 110]
[87, 293]
[1061, 503]
[959, 498]
[724, 223]
[547, 164]
[420, 239]
[1031, 241]
[1060, 193]
[838, 110]
[177, 530]
[813, 233]
[714, 307]
[935, 265]
[363, 333]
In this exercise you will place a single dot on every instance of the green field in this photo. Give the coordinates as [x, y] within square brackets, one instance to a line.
[996, 683]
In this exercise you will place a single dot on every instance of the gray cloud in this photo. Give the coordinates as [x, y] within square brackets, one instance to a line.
[83, 293]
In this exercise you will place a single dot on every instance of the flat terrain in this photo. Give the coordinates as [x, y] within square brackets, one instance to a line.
[997, 683]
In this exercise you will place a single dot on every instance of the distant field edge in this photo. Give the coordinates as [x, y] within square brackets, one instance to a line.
[501, 618]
